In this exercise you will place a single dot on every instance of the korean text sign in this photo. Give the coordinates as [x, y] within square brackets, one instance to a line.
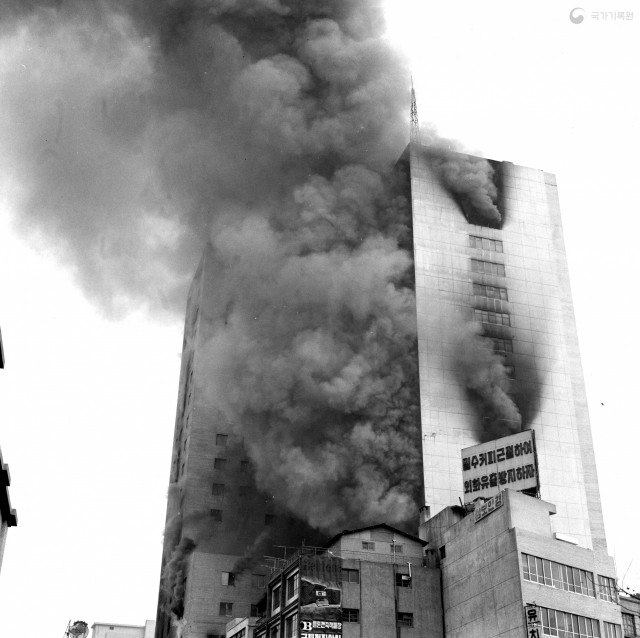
[509, 462]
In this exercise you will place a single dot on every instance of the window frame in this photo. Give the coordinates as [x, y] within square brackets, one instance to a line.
[295, 576]
[230, 609]
[347, 614]
[404, 619]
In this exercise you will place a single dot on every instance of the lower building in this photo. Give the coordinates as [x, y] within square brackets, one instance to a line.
[8, 516]
[111, 630]
[503, 557]
[630, 615]
[367, 583]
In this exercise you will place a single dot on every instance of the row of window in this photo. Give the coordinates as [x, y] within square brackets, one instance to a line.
[487, 267]
[291, 589]
[220, 489]
[498, 318]
[564, 625]
[502, 345]
[630, 624]
[552, 574]
[492, 292]
[216, 515]
[483, 243]
[221, 464]
[394, 548]
[579, 581]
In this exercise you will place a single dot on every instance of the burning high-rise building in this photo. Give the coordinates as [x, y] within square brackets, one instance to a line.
[497, 353]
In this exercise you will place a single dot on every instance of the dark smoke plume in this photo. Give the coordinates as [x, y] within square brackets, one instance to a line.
[470, 179]
[135, 131]
[483, 373]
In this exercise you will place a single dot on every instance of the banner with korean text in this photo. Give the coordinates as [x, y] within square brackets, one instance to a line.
[509, 462]
[320, 596]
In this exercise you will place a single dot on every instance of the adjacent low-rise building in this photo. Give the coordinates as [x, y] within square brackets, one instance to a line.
[8, 515]
[367, 583]
[112, 630]
[630, 606]
[503, 557]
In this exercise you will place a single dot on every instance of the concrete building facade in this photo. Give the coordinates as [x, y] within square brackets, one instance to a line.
[496, 561]
[112, 630]
[514, 281]
[384, 589]
[630, 606]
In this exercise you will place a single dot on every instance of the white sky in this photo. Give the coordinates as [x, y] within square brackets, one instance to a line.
[88, 405]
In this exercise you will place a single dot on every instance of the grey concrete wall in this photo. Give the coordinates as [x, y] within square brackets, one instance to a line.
[375, 595]
[484, 590]
[546, 357]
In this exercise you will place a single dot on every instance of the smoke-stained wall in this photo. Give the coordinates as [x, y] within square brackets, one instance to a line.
[539, 384]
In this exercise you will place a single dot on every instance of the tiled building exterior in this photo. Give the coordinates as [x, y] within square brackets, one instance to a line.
[526, 270]
[465, 273]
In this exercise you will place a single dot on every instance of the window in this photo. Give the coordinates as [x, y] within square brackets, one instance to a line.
[275, 598]
[216, 515]
[552, 574]
[241, 634]
[274, 632]
[368, 545]
[493, 292]
[628, 625]
[405, 620]
[487, 267]
[291, 626]
[612, 630]
[219, 464]
[228, 579]
[350, 615]
[218, 489]
[503, 345]
[443, 552]
[221, 439]
[483, 243]
[607, 589]
[563, 625]
[350, 576]
[226, 609]
[403, 580]
[292, 586]
[396, 549]
[498, 318]
[258, 581]
[269, 518]
[244, 466]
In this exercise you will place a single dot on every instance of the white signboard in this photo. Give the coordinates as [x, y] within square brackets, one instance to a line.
[489, 468]
[533, 621]
[489, 506]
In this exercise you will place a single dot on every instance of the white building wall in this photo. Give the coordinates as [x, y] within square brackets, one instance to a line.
[546, 355]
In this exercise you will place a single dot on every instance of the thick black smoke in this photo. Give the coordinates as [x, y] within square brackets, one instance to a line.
[471, 180]
[134, 131]
[481, 371]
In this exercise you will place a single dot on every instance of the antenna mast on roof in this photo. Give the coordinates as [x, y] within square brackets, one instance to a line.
[415, 126]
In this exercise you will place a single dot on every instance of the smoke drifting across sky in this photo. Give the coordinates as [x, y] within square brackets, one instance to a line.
[128, 126]
[134, 131]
